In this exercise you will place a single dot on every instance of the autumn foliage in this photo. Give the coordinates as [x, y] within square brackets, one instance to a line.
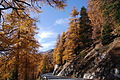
[77, 37]
[20, 58]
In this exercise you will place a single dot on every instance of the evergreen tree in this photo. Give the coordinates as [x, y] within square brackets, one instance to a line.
[85, 28]
[106, 34]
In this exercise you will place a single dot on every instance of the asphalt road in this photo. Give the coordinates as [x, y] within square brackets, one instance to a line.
[49, 76]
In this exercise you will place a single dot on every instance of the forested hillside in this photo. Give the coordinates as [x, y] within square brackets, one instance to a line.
[97, 24]
[90, 48]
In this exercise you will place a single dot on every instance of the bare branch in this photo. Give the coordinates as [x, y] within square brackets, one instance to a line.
[11, 8]
[24, 2]
[49, 3]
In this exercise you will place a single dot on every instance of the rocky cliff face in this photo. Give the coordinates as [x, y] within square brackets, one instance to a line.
[102, 63]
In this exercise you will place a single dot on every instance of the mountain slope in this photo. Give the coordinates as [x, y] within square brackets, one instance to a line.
[101, 62]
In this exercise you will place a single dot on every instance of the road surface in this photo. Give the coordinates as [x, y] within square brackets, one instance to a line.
[49, 76]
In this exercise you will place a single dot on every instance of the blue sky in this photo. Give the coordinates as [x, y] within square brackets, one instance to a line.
[53, 22]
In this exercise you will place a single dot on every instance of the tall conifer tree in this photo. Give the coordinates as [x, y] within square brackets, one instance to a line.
[85, 28]
[22, 44]
[58, 52]
[72, 37]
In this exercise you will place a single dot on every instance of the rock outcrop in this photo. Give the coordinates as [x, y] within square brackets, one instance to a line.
[102, 63]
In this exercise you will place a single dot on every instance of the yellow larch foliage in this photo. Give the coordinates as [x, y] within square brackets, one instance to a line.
[74, 12]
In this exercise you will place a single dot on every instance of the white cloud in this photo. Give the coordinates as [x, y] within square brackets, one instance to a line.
[46, 39]
[43, 35]
[61, 21]
[47, 45]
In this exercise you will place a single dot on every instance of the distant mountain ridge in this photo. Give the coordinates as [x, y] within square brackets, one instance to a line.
[48, 51]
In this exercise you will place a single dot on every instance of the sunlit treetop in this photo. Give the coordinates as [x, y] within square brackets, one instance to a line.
[74, 12]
